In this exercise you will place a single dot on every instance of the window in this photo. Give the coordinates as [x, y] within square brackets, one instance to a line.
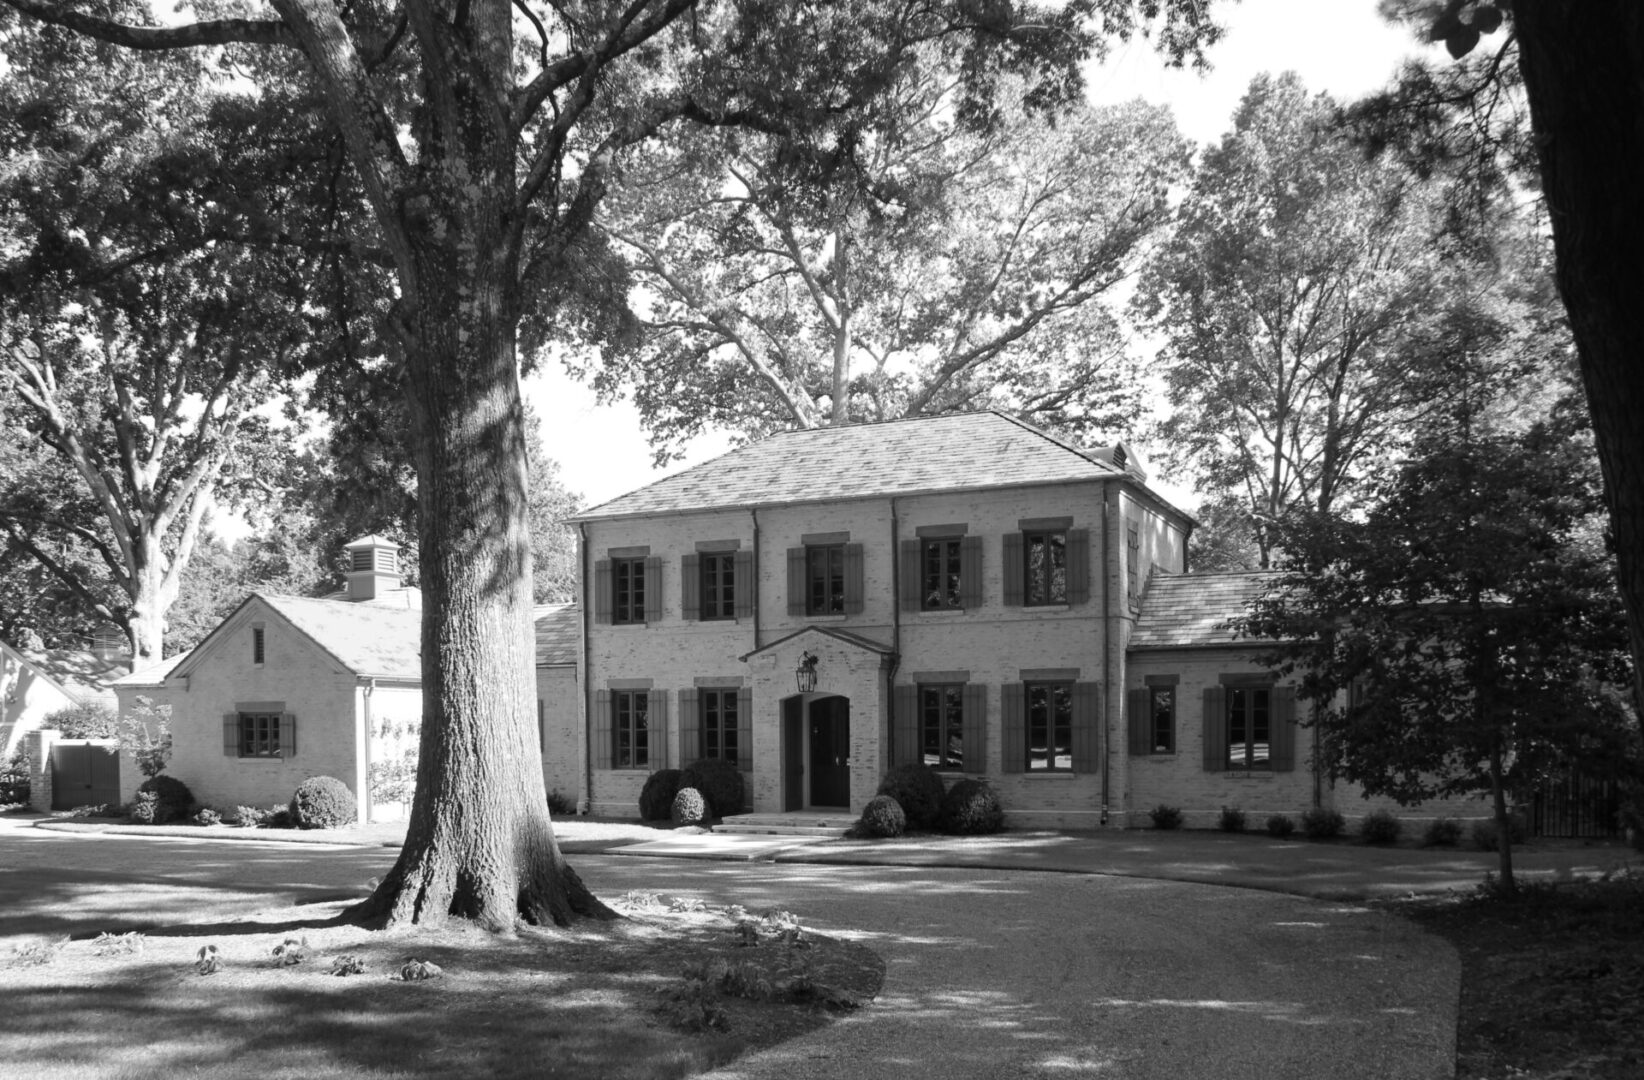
[719, 715]
[718, 570]
[630, 722]
[1249, 727]
[1049, 726]
[940, 574]
[1045, 558]
[260, 734]
[257, 644]
[627, 590]
[942, 726]
[1161, 719]
[825, 579]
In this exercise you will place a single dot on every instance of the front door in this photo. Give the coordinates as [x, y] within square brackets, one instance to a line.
[793, 754]
[830, 750]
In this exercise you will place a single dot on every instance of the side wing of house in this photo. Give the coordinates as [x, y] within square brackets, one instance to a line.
[27, 696]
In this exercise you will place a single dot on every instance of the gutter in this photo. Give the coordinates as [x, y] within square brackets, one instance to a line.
[1107, 654]
[587, 803]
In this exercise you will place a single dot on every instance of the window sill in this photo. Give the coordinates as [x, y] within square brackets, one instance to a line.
[1040, 608]
[1249, 774]
[942, 612]
[826, 618]
[1051, 774]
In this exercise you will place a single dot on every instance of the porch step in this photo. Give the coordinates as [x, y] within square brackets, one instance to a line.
[829, 826]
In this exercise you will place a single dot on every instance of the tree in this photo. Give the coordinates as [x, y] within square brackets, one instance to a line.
[483, 160]
[938, 268]
[1470, 618]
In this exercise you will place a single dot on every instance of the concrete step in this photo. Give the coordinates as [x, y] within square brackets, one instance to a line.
[826, 826]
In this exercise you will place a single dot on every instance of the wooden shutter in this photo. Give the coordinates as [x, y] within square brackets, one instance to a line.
[231, 734]
[1284, 728]
[742, 584]
[853, 579]
[602, 591]
[656, 738]
[744, 729]
[974, 728]
[690, 726]
[1015, 573]
[1138, 703]
[1013, 721]
[905, 749]
[1215, 729]
[911, 575]
[690, 586]
[542, 727]
[653, 588]
[970, 574]
[602, 729]
[1087, 726]
[288, 735]
[1078, 566]
[796, 581]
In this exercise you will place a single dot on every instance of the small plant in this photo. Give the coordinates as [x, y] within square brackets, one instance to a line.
[1166, 817]
[247, 817]
[415, 970]
[347, 964]
[37, 953]
[322, 802]
[278, 817]
[176, 801]
[971, 807]
[145, 734]
[208, 961]
[1321, 824]
[656, 798]
[1442, 832]
[208, 816]
[108, 944]
[918, 789]
[90, 810]
[689, 807]
[692, 1007]
[882, 818]
[291, 952]
[560, 805]
[1279, 826]
[719, 782]
[147, 810]
[1485, 834]
[1232, 819]
[14, 780]
[1380, 827]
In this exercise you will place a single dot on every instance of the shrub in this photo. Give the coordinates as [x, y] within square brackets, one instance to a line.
[1380, 827]
[719, 783]
[14, 780]
[560, 805]
[278, 817]
[1485, 834]
[91, 721]
[145, 811]
[882, 817]
[176, 801]
[688, 807]
[1232, 819]
[1322, 824]
[1280, 826]
[1166, 817]
[322, 802]
[149, 746]
[1442, 832]
[971, 807]
[918, 789]
[208, 816]
[656, 798]
[247, 817]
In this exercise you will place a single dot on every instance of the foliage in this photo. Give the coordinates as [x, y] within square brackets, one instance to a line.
[278, 817]
[1280, 826]
[1166, 817]
[208, 961]
[719, 782]
[290, 952]
[971, 807]
[1231, 819]
[560, 804]
[323, 802]
[247, 817]
[882, 818]
[105, 810]
[1486, 834]
[918, 790]
[1321, 824]
[87, 720]
[145, 735]
[15, 779]
[656, 798]
[37, 953]
[1441, 832]
[1381, 827]
[688, 807]
[208, 816]
[174, 797]
[145, 810]
[394, 780]
[347, 964]
[110, 944]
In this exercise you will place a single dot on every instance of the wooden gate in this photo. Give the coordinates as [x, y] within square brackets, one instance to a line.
[1573, 805]
[84, 775]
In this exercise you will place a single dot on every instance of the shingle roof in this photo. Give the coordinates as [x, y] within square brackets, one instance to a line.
[81, 673]
[154, 674]
[559, 633]
[898, 457]
[368, 639]
[1188, 609]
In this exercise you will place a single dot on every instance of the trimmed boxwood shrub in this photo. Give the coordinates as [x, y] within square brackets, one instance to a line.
[1280, 826]
[918, 789]
[322, 802]
[882, 818]
[688, 807]
[1321, 824]
[656, 798]
[971, 807]
[1380, 827]
[719, 783]
[1166, 817]
[1232, 819]
[1442, 832]
[171, 796]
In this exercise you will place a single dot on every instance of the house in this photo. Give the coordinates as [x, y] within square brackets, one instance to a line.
[291, 687]
[34, 683]
[965, 590]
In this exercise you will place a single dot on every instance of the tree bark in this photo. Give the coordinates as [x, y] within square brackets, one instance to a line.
[1583, 66]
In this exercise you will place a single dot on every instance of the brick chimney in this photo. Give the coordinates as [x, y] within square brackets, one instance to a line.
[373, 567]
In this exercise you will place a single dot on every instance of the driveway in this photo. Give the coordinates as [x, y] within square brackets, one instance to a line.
[989, 973]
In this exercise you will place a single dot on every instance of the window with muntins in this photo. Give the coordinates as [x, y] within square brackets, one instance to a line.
[1161, 717]
[260, 734]
[1045, 562]
[940, 574]
[627, 590]
[1249, 727]
[630, 728]
[719, 717]
[942, 725]
[1050, 727]
[825, 579]
[718, 571]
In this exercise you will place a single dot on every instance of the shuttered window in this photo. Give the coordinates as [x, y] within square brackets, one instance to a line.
[1152, 719]
[942, 726]
[259, 734]
[720, 723]
[627, 591]
[631, 729]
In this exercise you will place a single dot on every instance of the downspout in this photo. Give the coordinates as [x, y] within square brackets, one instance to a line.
[370, 725]
[896, 628]
[753, 511]
[587, 804]
[1107, 652]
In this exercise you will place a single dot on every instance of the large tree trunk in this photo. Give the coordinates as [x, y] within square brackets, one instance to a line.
[1583, 65]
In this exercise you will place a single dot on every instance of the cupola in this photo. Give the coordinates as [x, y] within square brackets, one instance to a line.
[373, 567]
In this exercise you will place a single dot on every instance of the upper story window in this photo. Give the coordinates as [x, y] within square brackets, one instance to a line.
[627, 590]
[825, 579]
[940, 574]
[1045, 562]
[718, 583]
[628, 587]
[825, 576]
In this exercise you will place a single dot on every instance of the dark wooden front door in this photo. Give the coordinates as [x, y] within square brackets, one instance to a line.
[830, 749]
[793, 754]
[84, 776]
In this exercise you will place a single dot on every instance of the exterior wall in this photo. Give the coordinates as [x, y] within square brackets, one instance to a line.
[25, 699]
[561, 731]
[392, 715]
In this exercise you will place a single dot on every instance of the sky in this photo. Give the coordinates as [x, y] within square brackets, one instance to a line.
[1339, 46]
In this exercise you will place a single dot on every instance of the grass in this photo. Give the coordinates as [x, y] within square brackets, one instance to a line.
[1552, 984]
[596, 1001]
